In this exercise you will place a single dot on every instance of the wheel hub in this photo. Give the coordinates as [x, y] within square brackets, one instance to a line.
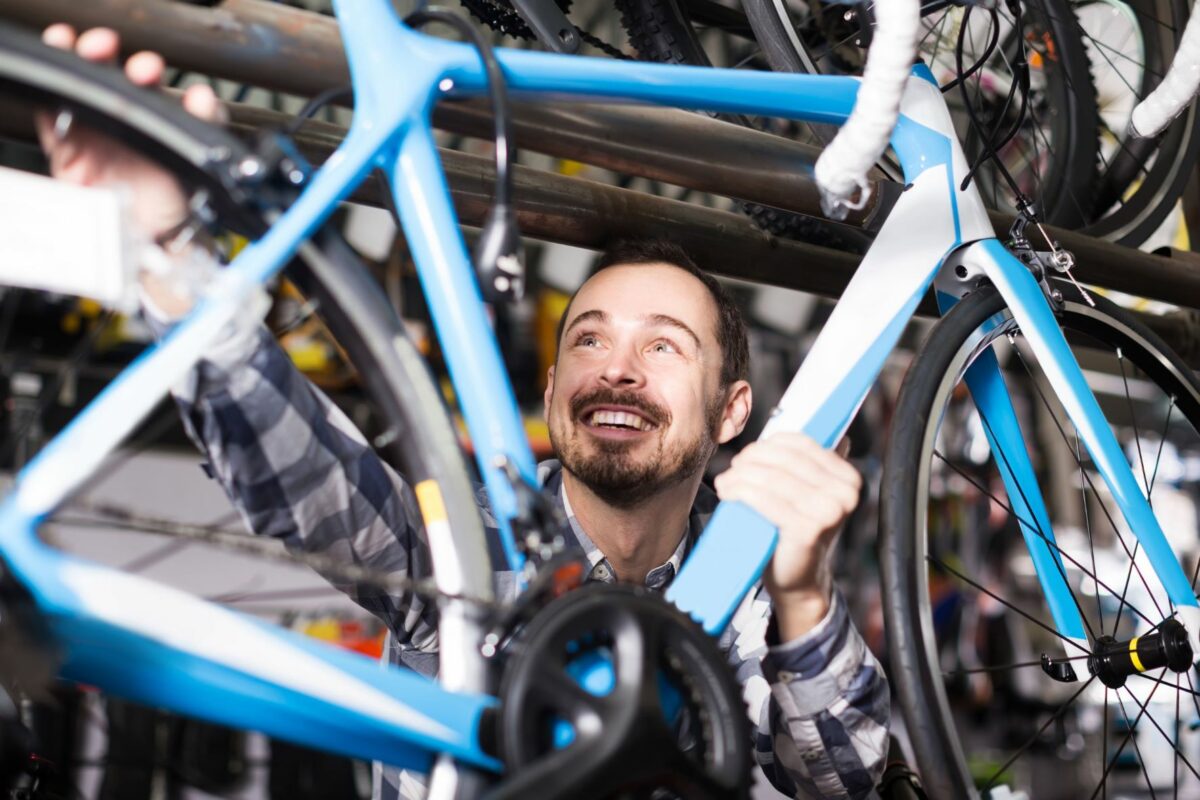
[1113, 660]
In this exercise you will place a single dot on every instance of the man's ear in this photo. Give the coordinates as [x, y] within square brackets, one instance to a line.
[736, 412]
[548, 394]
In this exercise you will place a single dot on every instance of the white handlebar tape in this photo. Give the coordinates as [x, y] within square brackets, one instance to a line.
[842, 169]
[1177, 89]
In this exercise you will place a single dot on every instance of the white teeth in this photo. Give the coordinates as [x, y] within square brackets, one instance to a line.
[623, 418]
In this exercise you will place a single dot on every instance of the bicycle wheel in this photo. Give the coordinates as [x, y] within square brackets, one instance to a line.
[711, 34]
[1052, 157]
[1131, 43]
[420, 440]
[966, 619]
[1121, 189]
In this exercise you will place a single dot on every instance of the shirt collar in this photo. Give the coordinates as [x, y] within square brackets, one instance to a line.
[657, 579]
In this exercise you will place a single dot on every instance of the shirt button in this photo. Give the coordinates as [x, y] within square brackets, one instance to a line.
[811, 755]
[786, 676]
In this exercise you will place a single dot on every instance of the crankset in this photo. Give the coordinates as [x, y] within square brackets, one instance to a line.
[612, 692]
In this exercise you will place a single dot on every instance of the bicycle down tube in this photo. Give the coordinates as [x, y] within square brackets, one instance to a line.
[333, 693]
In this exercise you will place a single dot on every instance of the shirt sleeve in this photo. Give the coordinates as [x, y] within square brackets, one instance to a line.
[819, 703]
[297, 470]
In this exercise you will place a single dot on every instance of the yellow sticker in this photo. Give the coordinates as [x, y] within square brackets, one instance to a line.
[429, 496]
[1133, 656]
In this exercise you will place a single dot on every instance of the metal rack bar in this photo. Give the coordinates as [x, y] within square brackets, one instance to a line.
[285, 49]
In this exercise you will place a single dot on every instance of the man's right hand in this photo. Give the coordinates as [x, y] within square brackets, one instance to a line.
[89, 158]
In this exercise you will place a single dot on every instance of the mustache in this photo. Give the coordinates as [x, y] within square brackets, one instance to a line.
[601, 396]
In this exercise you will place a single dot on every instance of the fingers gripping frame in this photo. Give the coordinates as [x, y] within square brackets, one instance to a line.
[162, 647]
[932, 218]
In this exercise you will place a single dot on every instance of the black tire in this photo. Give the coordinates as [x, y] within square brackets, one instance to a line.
[1139, 183]
[951, 727]
[1066, 118]
[425, 444]
[664, 31]
[661, 30]
[1123, 196]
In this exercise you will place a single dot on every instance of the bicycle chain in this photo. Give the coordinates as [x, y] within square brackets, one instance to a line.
[240, 542]
[603, 46]
[500, 16]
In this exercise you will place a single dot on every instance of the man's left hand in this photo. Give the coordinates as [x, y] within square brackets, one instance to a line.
[807, 491]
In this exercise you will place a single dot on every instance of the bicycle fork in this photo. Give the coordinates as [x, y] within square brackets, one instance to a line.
[1174, 641]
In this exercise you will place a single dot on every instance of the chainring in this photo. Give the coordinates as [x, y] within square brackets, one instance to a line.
[585, 694]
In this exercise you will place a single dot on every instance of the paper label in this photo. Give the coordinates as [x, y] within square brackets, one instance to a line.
[59, 237]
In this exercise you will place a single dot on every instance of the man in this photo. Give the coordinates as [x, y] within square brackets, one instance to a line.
[650, 378]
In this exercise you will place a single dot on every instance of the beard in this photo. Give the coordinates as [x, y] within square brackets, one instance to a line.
[612, 470]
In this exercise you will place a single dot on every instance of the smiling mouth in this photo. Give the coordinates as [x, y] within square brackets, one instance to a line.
[618, 420]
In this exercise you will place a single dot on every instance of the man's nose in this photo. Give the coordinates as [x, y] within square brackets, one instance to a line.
[623, 368]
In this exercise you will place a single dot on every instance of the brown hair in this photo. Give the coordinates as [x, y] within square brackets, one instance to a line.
[731, 328]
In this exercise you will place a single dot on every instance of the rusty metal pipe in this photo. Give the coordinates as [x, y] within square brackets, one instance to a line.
[1174, 279]
[290, 50]
[574, 211]
[589, 214]
[299, 52]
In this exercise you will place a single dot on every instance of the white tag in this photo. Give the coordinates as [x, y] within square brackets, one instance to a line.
[59, 237]
[370, 231]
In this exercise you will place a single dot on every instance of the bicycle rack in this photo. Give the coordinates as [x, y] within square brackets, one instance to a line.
[284, 49]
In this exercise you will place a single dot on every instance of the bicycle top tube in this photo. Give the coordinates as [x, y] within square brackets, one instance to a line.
[380, 48]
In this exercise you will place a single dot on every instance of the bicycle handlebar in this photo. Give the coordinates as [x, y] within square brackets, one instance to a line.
[842, 168]
[1177, 89]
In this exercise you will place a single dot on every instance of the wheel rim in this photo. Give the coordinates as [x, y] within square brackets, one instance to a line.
[1070, 731]
[1130, 44]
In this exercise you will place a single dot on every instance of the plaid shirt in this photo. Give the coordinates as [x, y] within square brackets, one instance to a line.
[297, 469]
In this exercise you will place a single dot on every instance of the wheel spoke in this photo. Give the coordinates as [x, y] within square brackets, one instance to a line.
[1104, 752]
[1091, 485]
[1029, 742]
[1007, 604]
[1137, 436]
[1087, 521]
[937, 43]
[1081, 207]
[1182, 690]
[1175, 794]
[1158, 728]
[1061, 570]
[1005, 667]
[1120, 749]
[1125, 589]
[1191, 690]
[1101, 49]
[1075, 562]
[1162, 441]
[1137, 749]
[1124, 147]
[254, 596]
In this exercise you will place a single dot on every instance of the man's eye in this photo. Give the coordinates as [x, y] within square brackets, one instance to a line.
[587, 340]
[664, 347]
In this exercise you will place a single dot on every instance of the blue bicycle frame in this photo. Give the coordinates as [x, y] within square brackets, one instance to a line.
[157, 646]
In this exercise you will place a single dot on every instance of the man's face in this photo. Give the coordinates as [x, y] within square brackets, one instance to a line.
[635, 402]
